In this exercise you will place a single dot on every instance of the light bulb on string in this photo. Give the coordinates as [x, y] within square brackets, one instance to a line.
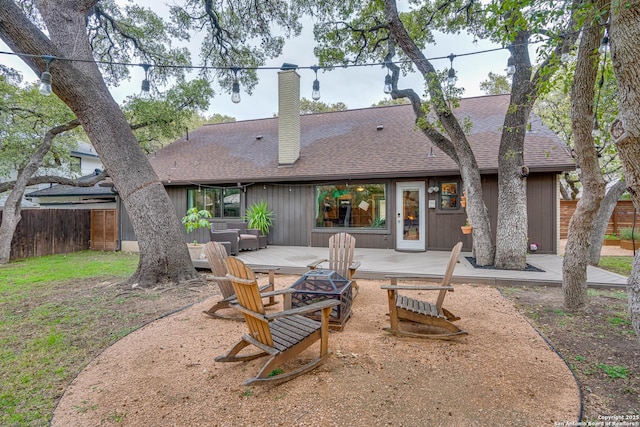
[604, 45]
[315, 94]
[145, 86]
[565, 56]
[387, 81]
[45, 79]
[596, 132]
[235, 88]
[451, 75]
[511, 67]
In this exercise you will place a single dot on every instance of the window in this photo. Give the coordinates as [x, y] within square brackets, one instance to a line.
[220, 202]
[351, 206]
[449, 196]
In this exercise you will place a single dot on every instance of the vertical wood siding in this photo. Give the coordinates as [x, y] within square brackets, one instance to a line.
[293, 208]
[290, 206]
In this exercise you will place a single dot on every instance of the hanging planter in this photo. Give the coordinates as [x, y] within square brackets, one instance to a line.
[467, 228]
[463, 199]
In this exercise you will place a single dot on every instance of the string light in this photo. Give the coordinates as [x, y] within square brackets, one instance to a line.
[315, 94]
[565, 56]
[145, 83]
[45, 79]
[235, 89]
[387, 81]
[511, 67]
[451, 79]
[604, 45]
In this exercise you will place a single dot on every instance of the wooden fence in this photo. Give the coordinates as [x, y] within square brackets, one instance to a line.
[51, 231]
[623, 216]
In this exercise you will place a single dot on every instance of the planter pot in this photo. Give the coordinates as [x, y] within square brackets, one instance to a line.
[463, 201]
[196, 251]
[611, 242]
[466, 229]
[629, 244]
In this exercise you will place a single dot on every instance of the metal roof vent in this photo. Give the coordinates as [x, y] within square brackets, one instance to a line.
[259, 136]
[379, 127]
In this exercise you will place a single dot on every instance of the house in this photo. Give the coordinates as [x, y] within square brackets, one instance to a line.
[83, 161]
[366, 171]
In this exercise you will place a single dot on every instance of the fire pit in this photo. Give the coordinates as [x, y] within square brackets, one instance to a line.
[320, 285]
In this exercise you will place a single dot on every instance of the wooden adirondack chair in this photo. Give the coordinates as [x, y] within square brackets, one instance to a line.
[341, 250]
[282, 335]
[216, 254]
[438, 319]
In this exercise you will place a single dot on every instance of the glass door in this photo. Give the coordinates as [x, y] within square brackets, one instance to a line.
[410, 216]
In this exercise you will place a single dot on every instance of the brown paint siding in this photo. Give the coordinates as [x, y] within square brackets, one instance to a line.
[290, 205]
[542, 202]
[294, 212]
[443, 227]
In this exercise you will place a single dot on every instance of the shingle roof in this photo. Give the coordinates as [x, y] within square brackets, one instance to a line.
[348, 145]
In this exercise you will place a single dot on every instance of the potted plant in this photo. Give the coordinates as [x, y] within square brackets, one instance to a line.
[259, 216]
[466, 228]
[463, 199]
[629, 238]
[193, 220]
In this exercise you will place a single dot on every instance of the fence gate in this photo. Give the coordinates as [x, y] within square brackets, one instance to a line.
[104, 230]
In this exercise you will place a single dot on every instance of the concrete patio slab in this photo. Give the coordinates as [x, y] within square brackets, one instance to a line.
[376, 263]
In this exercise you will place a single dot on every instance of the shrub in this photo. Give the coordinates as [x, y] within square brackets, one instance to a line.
[629, 234]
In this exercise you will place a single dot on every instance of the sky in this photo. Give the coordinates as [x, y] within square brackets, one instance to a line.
[357, 87]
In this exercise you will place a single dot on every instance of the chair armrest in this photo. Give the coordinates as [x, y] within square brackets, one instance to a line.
[306, 309]
[277, 292]
[253, 231]
[224, 235]
[354, 265]
[265, 269]
[234, 299]
[412, 276]
[417, 287]
[316, 263]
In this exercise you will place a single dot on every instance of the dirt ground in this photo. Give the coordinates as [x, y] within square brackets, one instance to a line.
[599, 343]
[502, 373]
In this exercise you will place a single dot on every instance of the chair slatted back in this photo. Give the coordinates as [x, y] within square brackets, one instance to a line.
[453, 259]
[245, 286]
[341, 249]
[216, 254]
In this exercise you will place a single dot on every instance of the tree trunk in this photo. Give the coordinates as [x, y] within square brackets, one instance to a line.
[625, 34]
[601, 221]
[12, 207]
[512, 220]
[457, 146]
[163, 251]
[576, 258]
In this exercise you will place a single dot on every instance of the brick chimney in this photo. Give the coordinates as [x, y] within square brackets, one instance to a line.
[288, 115]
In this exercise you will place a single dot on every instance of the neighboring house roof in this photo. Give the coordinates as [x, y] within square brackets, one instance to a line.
[348, 145]
[97, 190]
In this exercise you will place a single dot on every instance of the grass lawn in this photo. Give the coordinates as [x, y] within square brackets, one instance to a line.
[616, 264]
[50, 329]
